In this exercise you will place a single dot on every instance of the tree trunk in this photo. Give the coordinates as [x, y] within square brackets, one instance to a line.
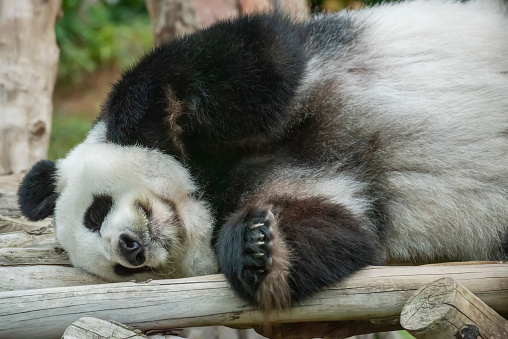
[252, 6]
[297, 9]
[171, 18]
[28, 69]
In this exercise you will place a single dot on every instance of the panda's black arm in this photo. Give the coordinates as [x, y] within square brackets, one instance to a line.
[306, 244]
[226, 84]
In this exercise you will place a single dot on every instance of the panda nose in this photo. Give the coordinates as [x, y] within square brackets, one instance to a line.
[131, 249]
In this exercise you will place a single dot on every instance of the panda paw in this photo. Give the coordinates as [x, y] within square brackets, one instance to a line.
[245, 250]
[258, 245]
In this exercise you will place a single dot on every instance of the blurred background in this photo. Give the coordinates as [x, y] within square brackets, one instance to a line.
[99, 38]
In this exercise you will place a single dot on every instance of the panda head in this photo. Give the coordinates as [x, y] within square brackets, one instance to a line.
[122, 213]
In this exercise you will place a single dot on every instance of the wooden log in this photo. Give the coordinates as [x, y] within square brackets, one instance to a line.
[42, 236]
[17, 278]
[12, 256]
[8, 198]
[443, 308]
[35, 245]
[10, 183]
[37, 277]
[373, 293]
[87, 327]
[9, 204]
[28, 68]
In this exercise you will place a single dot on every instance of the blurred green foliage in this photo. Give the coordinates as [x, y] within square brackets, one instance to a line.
[67, 131]
[93, 34]
[96, 33]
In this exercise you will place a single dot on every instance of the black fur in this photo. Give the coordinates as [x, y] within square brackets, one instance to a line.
[237, 248]
[327, 243]
[97, 212]
[232, 82]
[37, 192]
[226, 94]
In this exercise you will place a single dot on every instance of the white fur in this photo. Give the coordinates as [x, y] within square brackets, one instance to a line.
[430, 81]
[130, 174]
[427, 80]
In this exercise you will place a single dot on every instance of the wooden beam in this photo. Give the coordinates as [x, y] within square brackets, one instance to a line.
[17, 278]
[42, 236]
[373, 293]
[8, 197]
[443, 308]
[87, 327]
[35, 244]
[9, 204]
[33, 256]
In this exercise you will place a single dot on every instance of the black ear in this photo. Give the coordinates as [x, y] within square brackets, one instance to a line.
[36, 193]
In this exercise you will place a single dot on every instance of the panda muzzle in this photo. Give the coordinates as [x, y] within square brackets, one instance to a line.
[131, 250]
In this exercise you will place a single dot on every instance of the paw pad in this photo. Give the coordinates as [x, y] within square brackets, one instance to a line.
[258, 238]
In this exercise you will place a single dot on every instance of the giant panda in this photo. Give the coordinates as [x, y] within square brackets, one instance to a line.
[290, 155]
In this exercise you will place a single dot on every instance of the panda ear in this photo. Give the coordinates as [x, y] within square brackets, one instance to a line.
[37, 192]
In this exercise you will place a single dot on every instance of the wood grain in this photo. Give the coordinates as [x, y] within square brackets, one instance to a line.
[17, 278]
[443, 308]
[87, 327]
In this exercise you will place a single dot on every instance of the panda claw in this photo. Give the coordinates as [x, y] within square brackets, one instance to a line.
[269, 246]
[257, 225]
[257, 246]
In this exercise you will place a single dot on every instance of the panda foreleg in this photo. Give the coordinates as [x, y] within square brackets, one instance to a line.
[282, 250]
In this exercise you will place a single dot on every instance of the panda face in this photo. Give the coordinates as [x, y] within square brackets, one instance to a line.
[128, 213]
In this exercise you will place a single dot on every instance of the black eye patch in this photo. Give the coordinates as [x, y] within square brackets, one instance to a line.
[97, 211]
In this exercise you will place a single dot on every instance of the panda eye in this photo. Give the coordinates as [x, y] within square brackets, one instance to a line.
[146, 210]
[97, 212]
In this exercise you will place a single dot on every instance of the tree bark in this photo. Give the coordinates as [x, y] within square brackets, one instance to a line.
[253, 6]
[171, 18]
[297, 9]
[28, 69]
